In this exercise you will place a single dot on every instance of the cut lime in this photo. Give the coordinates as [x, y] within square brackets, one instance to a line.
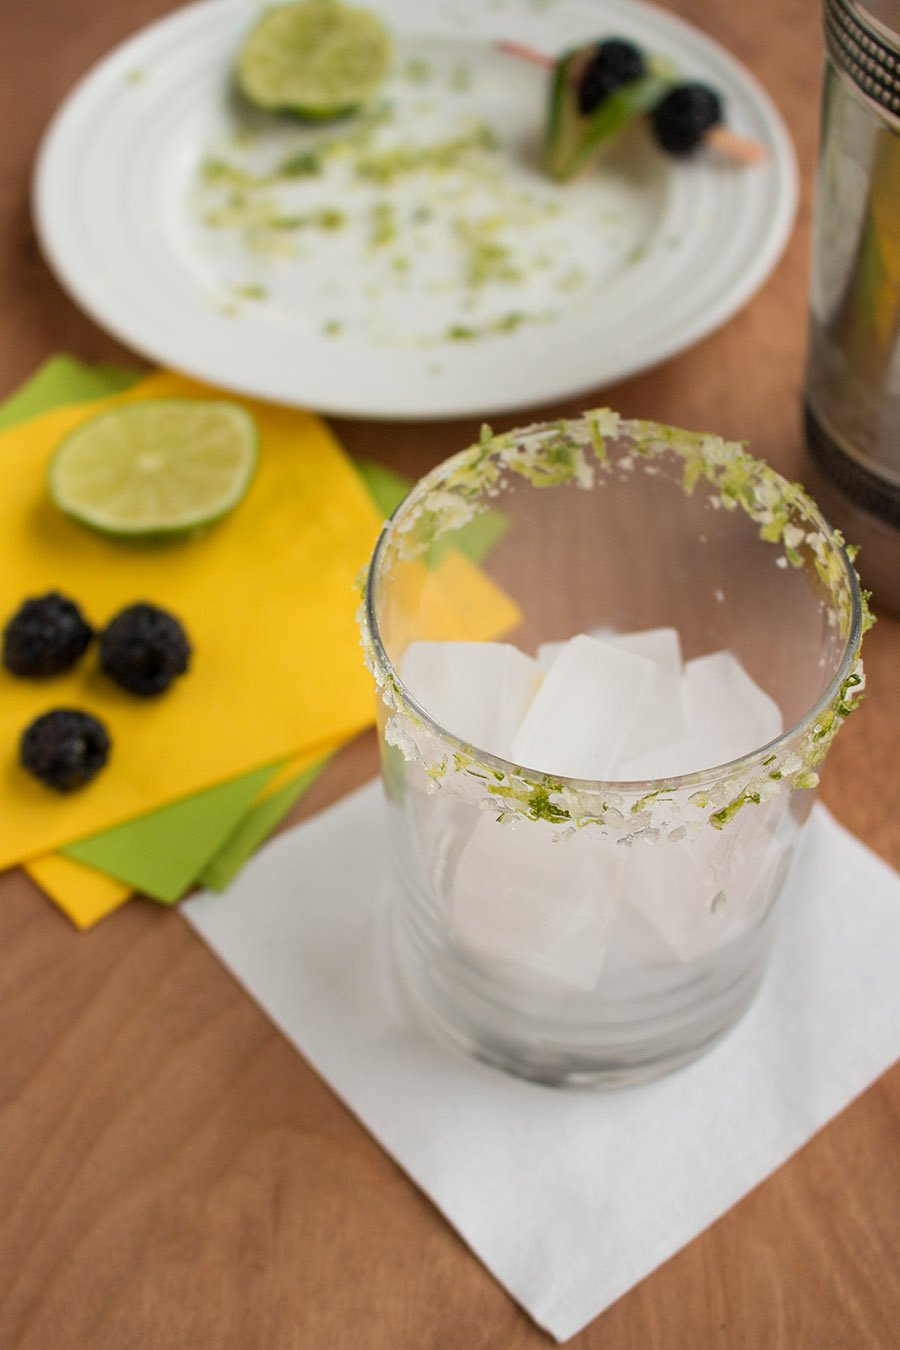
[318, 58]
[166, 466]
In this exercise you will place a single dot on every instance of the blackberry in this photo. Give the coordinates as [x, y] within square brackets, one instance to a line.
[143, 649]
[614, 63]
[64, 748]
[683, 117]
[46, 635]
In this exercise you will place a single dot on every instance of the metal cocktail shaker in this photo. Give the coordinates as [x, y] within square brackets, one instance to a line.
[853, 375]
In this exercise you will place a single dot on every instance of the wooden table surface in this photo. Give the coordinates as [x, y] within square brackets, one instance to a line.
[172, 1173]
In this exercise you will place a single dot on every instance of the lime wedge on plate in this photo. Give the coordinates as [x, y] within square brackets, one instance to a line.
[163, 467]
[318, 58]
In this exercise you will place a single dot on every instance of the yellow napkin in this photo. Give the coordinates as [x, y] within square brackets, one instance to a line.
[453, 603]
[81, 892]
[266, 596]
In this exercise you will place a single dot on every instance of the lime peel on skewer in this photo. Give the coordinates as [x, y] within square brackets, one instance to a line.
[597, 92]
[574, 140]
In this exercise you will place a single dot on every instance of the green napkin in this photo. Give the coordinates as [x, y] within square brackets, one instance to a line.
[255, 828]
[61, 380]
[163, 846]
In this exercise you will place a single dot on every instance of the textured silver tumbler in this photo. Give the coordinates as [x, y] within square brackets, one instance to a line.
[853, 374]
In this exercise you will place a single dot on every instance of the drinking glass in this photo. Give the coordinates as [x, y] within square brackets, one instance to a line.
[580, 932]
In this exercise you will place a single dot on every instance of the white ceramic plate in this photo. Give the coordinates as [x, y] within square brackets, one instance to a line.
[427, 269]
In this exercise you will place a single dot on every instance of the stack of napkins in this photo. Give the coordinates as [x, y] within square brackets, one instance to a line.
[200, 776]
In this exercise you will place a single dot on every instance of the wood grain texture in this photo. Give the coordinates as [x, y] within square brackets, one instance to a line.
[172, 1174]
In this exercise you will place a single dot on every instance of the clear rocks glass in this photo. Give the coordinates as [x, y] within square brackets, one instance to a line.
[577, 931]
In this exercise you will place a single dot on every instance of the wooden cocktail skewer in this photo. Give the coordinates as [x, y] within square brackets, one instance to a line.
[526, 53]
[739, 149]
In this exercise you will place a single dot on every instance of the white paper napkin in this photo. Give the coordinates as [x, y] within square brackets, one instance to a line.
[568, 1198]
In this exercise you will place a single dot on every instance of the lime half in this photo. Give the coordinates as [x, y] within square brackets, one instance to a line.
[166, 466]
[318, 58]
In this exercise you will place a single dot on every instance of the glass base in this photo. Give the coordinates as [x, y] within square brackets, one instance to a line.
[626, 1042]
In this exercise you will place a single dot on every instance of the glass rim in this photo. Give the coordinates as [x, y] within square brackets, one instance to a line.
[629, 786]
